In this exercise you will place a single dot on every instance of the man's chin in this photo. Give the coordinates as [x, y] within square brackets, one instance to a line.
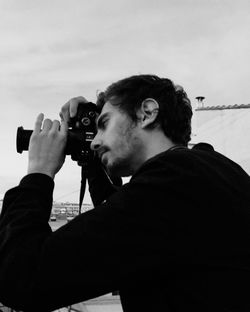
[116, 171]
[111, 170]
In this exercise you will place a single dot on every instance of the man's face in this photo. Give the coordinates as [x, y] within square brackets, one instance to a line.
[118, 141]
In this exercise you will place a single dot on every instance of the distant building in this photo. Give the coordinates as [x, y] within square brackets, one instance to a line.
[69, 208]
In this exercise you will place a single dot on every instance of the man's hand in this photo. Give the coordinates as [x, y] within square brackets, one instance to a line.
[69, 109]
[46, 147]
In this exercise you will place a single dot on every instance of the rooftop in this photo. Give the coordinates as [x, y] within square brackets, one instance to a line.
[220, 107]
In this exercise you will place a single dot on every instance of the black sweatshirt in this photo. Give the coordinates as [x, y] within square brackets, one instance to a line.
[175, 238]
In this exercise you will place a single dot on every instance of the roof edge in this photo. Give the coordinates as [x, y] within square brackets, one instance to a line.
[220, 107]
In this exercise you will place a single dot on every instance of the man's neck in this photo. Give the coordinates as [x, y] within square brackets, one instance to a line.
[158, 144]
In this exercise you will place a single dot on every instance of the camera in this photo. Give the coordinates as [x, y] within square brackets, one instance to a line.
[82, 130]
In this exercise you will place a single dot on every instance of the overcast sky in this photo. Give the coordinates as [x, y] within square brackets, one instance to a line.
[52, 50]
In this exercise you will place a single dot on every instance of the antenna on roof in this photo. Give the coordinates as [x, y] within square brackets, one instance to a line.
[200, 101]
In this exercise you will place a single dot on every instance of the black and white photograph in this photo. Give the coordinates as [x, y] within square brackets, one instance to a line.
[125, 156]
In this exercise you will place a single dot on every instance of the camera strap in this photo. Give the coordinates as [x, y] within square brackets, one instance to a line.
[83, 186]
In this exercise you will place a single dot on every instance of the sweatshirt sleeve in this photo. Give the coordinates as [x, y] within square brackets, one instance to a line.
[96, 253]
[33, 193]
[88, 257]
[23, 226]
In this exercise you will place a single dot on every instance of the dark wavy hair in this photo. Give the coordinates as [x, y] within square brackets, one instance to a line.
[175, 110]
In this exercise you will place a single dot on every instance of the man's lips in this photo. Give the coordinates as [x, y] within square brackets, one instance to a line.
[104, 159]
[101, 153]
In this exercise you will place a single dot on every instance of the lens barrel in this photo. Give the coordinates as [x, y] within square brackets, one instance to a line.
[77, 141]
[22, 139]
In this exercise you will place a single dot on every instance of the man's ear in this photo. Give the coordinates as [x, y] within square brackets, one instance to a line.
[148, 112]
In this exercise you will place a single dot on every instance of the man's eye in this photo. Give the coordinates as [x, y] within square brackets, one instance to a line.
[105, 123]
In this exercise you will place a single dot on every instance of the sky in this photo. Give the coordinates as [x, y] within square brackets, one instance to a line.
[53, 50]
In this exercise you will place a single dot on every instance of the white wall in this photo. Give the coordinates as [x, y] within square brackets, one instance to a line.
[228, 130]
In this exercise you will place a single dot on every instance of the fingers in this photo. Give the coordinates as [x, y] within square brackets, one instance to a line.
[55, 126]
[61, 116]
[38, 123]
[64, 127]
[69, 109]
[64, 113]
[47, 125]
[59, 127]
[73, 104]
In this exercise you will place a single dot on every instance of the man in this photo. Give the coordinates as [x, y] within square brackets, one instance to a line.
[175, 238]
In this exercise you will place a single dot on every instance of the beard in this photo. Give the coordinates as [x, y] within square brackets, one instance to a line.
[120, 167]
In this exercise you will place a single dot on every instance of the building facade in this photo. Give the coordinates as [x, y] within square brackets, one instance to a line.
[227, 128]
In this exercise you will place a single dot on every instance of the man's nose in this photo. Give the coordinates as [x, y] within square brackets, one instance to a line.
[95, 144]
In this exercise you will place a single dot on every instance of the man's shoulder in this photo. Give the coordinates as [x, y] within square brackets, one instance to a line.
[201, 159]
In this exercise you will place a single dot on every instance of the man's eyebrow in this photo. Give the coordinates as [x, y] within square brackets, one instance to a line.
[100, 119]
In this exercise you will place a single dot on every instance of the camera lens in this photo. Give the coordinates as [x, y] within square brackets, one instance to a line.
[22, 139]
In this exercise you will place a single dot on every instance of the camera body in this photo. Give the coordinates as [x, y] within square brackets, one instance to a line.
[82, 130]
